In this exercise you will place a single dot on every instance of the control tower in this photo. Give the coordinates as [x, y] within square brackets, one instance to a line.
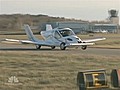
[113, 16]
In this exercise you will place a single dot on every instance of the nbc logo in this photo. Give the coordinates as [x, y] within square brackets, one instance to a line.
[13, 79]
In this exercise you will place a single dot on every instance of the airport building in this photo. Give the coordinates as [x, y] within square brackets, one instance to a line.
[112, 25]
[104, 28]
[113, 17]
[77, 27]
[85, 27]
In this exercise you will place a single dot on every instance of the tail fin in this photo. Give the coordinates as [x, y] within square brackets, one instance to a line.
[48, 27]
[29, 33]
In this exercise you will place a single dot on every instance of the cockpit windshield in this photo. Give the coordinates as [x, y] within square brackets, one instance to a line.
[66, 32]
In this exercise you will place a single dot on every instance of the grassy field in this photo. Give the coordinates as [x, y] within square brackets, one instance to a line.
[49, 70]
[112, 40]
[53, 70]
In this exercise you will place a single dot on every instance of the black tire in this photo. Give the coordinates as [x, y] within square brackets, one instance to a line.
[84, 47]
[62, 46]
[38, 46]
[53, 47]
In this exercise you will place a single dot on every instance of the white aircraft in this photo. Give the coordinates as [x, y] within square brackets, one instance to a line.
[55, 38]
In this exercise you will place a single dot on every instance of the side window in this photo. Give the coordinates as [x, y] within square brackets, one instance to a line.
[57, 35]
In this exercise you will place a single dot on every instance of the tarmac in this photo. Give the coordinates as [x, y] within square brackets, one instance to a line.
[94, 51]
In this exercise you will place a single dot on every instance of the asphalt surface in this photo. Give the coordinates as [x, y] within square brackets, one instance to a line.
[94, 51]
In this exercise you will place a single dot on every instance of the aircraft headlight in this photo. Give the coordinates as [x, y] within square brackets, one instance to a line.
[79, 41]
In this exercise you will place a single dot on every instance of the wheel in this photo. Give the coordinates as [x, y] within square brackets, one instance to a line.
[53, 47]
[38, 46]
[62, 46]
[84, 47]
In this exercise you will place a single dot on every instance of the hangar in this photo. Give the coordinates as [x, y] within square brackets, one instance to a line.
[111, 28]
[84, 27]
[77, 27]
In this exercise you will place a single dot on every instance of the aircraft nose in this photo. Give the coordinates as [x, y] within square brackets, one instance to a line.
[78, 40]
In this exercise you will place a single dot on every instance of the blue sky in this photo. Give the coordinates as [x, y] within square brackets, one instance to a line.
[79, 9]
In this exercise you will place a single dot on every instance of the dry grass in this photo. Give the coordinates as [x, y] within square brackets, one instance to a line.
[52, 70]
[112, 40]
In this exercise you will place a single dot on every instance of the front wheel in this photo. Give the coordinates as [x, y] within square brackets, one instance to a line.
[38, 46]
[62, 46]
[52, 47]
[84, 47]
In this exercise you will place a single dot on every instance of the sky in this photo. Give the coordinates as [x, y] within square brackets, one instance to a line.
[78, 9]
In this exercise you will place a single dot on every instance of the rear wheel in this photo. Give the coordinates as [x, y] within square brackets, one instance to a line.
[84, 47]
[38, 46]
[53, 47]
[62, 46]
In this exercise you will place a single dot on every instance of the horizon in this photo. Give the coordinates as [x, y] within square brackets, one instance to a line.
[94, 10]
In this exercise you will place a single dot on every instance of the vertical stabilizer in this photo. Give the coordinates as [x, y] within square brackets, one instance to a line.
[29, 33]
[48, 27]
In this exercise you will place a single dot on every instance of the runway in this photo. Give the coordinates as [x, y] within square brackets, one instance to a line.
[93, 51]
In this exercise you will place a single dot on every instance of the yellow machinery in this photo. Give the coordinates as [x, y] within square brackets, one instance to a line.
[94, 79]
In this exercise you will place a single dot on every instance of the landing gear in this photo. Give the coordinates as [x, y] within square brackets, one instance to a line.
[62, 46]
[38, 46]
[52, 47]
[84, 47]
